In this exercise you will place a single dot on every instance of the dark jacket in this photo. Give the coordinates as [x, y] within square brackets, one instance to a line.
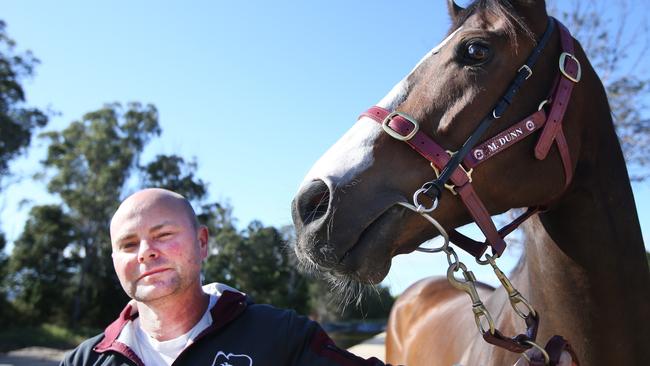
[241, 334]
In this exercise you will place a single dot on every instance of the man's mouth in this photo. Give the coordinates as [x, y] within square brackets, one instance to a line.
[152, 272]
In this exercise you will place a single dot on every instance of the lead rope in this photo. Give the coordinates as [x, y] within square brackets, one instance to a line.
[468, 285]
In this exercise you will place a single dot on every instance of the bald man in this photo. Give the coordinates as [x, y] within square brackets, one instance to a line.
[158, 249]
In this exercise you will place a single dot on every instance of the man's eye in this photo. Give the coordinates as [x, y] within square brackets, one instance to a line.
[128, 246]
[164, 235]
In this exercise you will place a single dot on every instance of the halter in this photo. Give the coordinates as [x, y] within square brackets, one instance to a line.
[457, 167]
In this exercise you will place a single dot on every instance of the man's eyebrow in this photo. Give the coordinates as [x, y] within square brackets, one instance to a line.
[161, 225]
[125, 237]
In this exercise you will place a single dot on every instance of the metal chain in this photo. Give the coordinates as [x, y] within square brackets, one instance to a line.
[468, 283]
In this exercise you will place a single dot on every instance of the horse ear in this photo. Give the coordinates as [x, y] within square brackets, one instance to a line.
[534, 11]
[454, 9]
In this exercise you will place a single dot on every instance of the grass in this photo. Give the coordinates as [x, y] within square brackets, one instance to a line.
[45, 335]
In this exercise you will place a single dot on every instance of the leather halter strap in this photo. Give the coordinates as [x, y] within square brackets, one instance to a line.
[554, 348]
[406, 129]
[430, 150]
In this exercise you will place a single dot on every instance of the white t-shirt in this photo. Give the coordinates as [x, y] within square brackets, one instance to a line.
[153, 352]
[156, 353]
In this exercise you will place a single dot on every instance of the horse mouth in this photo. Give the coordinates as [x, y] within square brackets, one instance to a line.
[369, 258]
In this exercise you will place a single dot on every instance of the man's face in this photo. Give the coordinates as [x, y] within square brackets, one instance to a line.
[157, 250]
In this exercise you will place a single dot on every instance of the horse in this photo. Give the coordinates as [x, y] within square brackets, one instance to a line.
[583, 269]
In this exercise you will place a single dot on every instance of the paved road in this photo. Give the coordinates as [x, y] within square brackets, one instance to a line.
[32, 356]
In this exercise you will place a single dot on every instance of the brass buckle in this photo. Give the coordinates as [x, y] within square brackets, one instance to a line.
[563, 57]
[395, 134]
[451, 187]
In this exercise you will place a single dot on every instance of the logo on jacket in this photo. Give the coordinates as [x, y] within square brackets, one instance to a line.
[222, 359]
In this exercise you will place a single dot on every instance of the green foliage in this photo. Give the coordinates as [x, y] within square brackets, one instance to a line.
[8, 313]
[257, 262]
[39, 266]
[173, 173]
[375, 303]
[92, 158]
[17, 121]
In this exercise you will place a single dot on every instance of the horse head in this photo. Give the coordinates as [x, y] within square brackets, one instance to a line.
[347, 215]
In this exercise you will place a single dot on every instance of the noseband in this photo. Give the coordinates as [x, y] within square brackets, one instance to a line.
[457, 167]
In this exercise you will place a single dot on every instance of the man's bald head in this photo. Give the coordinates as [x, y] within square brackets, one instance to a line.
[153, 197]
[158, 246]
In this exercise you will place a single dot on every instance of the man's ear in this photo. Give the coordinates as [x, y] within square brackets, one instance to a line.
[203, 236]
[454, 9]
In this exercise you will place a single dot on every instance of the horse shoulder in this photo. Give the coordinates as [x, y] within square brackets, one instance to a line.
[429, 311]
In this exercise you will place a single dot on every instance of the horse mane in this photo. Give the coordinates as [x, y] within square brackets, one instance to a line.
[502, 9]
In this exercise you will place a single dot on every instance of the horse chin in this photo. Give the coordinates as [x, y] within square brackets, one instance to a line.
[369, 259]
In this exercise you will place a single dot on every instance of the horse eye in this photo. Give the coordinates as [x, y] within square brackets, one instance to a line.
[477, 52]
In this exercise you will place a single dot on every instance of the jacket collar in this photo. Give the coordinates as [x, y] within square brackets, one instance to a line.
[228, 307]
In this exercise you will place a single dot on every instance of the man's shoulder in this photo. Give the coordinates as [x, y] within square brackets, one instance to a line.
[83, 352]
[269, 322]
[271, 313]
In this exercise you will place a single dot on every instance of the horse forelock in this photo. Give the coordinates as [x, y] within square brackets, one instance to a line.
[496, 9]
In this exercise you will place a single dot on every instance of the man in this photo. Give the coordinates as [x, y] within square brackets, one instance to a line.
[158, 248]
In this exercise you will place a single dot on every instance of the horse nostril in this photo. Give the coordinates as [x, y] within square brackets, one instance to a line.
[313, 201]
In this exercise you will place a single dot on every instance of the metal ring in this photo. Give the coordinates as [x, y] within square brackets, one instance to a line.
[487, 260]
[547, 358]
[420, 208]
[435, 223]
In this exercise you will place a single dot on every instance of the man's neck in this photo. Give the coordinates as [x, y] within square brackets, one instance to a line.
[169, 318]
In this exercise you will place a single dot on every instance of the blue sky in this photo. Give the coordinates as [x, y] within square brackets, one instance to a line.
[256, 91]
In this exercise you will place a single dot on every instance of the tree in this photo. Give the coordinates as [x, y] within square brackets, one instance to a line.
[173, 173]
[7, 315]
[257, 261]
[616, 47]
[17, 121]
[39, 266]
[91, 161]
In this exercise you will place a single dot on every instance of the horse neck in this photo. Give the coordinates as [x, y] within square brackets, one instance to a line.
[585, 268]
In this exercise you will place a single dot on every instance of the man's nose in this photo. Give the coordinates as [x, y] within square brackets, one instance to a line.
[146, 252]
